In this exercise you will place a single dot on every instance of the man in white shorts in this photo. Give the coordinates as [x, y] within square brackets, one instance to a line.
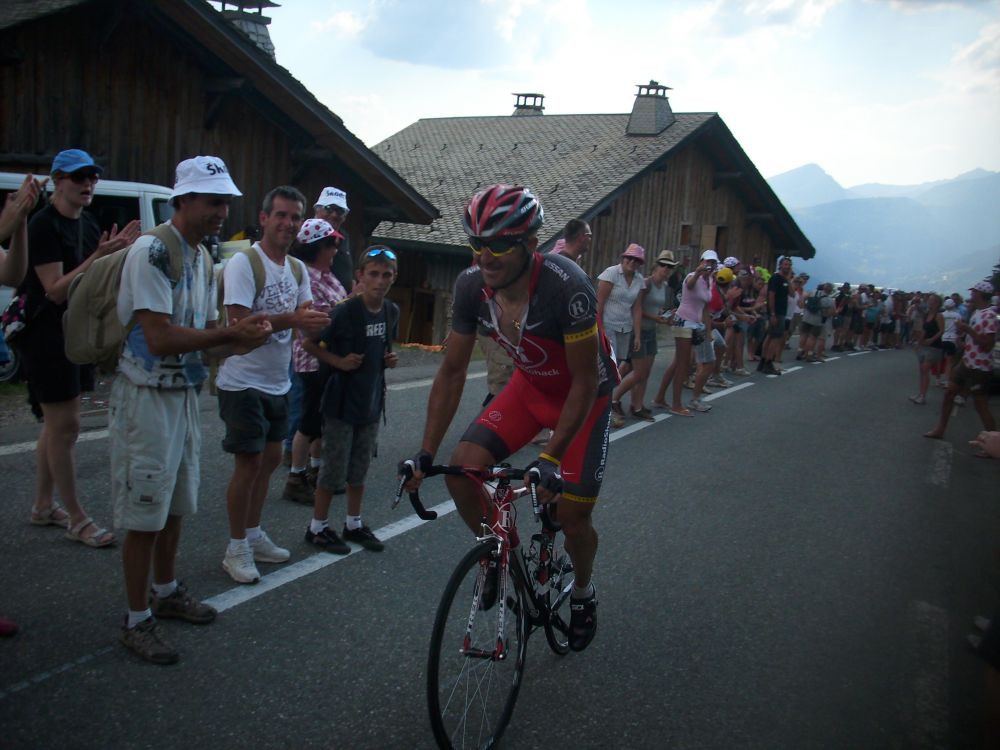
[155, 396]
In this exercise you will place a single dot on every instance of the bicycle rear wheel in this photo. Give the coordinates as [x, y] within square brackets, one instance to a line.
[470, 692]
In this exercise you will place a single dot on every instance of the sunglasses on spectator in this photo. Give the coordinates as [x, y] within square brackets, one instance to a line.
[89, 175]
[377, 251]
[498, 246]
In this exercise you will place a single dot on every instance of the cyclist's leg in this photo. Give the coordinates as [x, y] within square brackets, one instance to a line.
[504, 426]
[583, 472]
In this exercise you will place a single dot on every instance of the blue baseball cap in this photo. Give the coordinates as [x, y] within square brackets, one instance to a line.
[73, 159]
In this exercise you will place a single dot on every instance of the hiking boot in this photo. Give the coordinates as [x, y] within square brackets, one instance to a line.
[616, 408]
[364, 537]
[144, 641]
[240, 565]
[312, 476]
[617, 420]
[328, 541]
[264, 550]
[768, 369]
[298, 489]
[180, 605]
[583, 622]
[643, 414]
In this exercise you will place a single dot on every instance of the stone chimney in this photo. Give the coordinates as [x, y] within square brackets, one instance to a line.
[248, 16]
[651, 113]
[528, 104]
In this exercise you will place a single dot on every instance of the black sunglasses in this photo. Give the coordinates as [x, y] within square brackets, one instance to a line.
[496, 245]
[84, 176]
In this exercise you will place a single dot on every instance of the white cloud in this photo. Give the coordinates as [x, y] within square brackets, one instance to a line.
[979, 62]
[343, 22]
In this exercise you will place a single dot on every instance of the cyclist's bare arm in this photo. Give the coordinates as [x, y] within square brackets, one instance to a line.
[581, 357]
[446, 393]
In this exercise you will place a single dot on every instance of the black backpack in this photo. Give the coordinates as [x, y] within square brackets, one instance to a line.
[812, 304]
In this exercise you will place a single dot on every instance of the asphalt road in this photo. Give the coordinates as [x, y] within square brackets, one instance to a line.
[796, 569]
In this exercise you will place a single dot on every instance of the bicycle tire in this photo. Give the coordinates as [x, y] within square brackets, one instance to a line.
[465, 694]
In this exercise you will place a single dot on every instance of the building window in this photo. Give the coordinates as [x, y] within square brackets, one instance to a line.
[685, 235]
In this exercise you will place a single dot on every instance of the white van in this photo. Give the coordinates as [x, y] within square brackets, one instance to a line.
[114, 202]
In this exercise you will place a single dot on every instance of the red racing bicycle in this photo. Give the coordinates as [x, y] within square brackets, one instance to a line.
[500, 592]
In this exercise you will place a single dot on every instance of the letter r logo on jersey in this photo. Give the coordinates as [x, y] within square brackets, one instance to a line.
[579, 305]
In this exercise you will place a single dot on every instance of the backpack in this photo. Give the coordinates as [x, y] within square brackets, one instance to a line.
[812, 304]
[94, 335]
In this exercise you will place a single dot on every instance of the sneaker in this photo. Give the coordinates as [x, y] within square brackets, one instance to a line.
[264, 550]
[708, 388]
[582, 622]
[180, 605]
[643, 414]
[696, 404]
[720, 381]
[144, 641]
[328, 541]
[298, 489]
[768, 369]
[918, 400]
[617, 420]
[364, 537]
[742, 372]
[689, 384]
[240, 565]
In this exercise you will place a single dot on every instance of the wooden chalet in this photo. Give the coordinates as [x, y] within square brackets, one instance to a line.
[143, 84]
[667, 181]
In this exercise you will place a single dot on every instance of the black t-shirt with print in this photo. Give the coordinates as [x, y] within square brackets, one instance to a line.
[779, 285]
[356, 397]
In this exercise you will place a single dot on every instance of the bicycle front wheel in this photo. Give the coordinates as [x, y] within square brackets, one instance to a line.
[474, 667]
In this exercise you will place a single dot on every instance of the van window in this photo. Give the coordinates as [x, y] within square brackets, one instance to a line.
[114, 209]
[162, 210]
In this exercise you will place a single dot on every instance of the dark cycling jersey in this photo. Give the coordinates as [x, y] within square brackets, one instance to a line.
[561, 308]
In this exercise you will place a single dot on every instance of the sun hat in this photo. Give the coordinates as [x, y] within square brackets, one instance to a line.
[983, 286]
[710, 255]
[635, 251]
[314, 230]
[203, 174]
[332, 196]
[731, 262]
[949, 304]
[73, 159]
[725, 276]
[666, 258]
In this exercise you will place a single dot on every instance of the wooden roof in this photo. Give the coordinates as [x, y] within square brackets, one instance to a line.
[576, 164]
[230, 52]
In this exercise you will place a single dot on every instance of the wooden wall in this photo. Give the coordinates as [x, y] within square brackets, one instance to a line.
[655, 209]
[136, 99]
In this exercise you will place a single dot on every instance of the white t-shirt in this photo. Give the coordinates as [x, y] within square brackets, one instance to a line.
[146, 285]
[950, 318]
[618, 306]
[265, 368]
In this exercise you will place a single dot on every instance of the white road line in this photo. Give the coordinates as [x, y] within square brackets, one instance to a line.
[240, 594]
[829, 359]
[858, 354]
[939, 470]
[10, 450]
[792, 369]
[726, 392]
[924, 699]
[27, 447]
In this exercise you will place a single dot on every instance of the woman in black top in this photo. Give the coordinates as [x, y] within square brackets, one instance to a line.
[930, 349]
[63, 240]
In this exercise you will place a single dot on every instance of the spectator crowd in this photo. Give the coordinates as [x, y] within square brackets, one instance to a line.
[300, 331]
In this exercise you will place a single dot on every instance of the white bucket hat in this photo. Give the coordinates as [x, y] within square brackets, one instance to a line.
[332, 196]
[204, 174]
[710, 255]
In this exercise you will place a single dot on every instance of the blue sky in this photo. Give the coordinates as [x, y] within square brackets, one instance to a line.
[890, 91]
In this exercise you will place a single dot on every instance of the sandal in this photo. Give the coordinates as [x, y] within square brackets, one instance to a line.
[54, 515]
[681, 412]
[94, 539]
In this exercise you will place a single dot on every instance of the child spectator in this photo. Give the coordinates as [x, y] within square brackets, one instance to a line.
[358, 346]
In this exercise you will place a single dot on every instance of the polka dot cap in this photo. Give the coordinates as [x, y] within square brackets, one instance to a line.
[313, 230]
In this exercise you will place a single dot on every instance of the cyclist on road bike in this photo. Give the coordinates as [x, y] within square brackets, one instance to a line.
[543, 311]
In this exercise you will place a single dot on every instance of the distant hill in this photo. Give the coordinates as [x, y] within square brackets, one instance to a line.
[806, 186]
[908, 236]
